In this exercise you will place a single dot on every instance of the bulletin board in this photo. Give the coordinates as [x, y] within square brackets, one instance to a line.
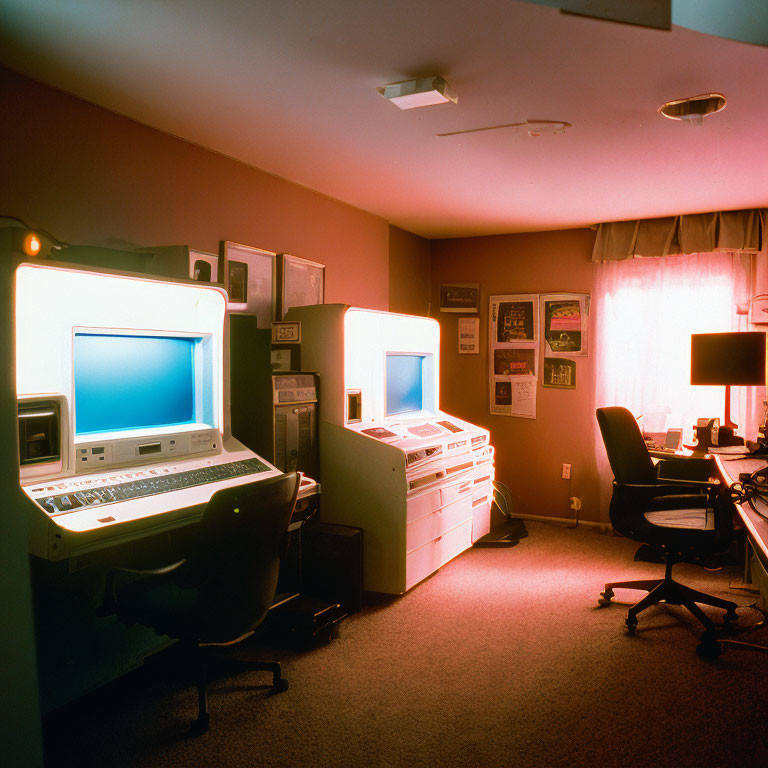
[528, 333]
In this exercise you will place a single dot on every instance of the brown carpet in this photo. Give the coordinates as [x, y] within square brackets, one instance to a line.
[502, 658]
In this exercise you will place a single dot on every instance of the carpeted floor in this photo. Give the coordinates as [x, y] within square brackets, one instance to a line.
[502, 658]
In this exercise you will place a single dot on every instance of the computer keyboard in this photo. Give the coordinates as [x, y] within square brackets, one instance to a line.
[425, 430]
[148, 485]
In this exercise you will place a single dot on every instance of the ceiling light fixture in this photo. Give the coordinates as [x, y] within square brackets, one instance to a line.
[695, 108]
[423, 92]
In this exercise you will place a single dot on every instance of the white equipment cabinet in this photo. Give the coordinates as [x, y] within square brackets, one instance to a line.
[418, 481]
[93, 490]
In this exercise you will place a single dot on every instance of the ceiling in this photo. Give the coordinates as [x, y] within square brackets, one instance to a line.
[290, 87]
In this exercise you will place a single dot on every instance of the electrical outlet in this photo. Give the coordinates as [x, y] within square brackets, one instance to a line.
[566, 471]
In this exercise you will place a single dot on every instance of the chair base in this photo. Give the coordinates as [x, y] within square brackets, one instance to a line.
[201, 724]
[671, 592]
[712, 646]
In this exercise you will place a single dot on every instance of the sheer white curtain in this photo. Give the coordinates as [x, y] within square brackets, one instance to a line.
[644, 312]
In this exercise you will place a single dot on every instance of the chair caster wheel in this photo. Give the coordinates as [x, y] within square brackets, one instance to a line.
[200, 726]
[605, 597]
[709, 649]
[729, 628]
[280, 686]
[730, 617]
[631, 623]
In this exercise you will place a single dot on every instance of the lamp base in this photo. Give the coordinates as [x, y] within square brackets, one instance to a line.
[507, 535]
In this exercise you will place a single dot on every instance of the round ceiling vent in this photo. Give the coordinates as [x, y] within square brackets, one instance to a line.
[695, 108]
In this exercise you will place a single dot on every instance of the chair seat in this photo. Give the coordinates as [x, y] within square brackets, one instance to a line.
[699, 519]
[161, 604]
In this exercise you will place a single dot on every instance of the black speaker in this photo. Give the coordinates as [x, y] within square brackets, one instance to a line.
[250, 377]
[332, 564]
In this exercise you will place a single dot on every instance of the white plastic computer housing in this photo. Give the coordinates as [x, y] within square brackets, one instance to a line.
[416, 479]
[54, 304]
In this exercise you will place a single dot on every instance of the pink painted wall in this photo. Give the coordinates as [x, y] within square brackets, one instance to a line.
[529, 453]
[92, 177]
[409, 270]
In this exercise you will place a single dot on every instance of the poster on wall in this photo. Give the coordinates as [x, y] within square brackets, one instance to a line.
[565, 317]
[517, 319]
[513, 354]
[559, 373]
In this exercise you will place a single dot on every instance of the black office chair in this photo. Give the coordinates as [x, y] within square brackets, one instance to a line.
[681, 518]
[223, 589]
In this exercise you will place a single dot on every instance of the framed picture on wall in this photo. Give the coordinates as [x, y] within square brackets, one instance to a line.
[302, 283]
[249, 277]
[459, 297]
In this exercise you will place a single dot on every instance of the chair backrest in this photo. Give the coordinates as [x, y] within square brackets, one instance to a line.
[237, 555]
[627, 452]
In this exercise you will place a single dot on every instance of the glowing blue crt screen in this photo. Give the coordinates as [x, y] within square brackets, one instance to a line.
[132, 382]
[404, 383]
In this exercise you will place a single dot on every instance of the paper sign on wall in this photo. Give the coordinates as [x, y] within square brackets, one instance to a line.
[469, 336]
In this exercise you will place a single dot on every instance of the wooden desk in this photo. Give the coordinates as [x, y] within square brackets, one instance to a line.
[757, 526]
[681, 453]
[756, 561]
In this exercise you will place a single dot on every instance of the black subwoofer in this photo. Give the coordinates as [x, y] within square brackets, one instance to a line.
[332, 564]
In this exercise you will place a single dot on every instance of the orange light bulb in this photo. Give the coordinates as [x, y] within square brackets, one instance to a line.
[32, 244]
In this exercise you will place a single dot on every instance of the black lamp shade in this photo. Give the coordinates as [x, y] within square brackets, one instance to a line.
[736, 359]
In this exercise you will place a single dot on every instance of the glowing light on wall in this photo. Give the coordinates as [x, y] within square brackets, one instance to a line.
[32, 244]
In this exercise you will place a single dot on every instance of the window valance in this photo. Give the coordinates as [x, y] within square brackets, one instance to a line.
[687, 233]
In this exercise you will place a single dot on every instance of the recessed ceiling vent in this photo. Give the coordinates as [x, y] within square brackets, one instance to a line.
[423, 92]
[695, 108]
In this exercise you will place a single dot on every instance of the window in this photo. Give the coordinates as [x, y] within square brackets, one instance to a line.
[645, 313]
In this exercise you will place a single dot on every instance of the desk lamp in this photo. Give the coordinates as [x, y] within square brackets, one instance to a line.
[730, 359]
